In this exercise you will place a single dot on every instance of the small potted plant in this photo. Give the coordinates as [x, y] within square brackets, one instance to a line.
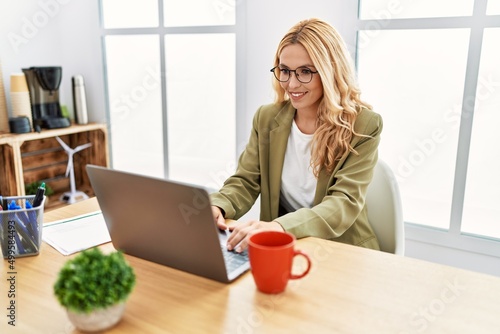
[93, 287]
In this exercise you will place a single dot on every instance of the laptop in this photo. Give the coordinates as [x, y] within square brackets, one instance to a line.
[166, 222]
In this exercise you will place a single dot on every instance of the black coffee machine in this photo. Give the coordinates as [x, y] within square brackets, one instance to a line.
[43, 84]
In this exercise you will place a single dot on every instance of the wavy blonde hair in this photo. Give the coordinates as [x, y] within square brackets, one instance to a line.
[341, 101]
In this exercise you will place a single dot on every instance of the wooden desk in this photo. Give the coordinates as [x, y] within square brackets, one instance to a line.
[349, 290]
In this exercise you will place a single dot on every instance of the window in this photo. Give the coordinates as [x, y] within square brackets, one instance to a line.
[134, 93]
[201, 101]
[171, 86]
[481, 213]
[431, 69]
[420, 136]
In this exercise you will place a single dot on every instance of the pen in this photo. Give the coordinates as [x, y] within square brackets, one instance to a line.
[27, 241]
[20, 246]
[39, 195]
[13, 206]
[32, 221]
[13, 233]
[22, 228]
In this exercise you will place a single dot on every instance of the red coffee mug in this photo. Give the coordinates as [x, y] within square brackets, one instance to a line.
[271, 257]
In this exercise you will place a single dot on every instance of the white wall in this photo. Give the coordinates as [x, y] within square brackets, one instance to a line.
[452, 257]
[55, 33]
[266, 23]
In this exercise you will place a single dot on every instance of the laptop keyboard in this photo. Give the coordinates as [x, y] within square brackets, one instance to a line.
[233, 259]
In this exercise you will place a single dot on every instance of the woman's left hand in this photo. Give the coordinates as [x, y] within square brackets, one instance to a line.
[240, 232]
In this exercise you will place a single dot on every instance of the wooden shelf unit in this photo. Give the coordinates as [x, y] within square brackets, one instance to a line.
[32, 157]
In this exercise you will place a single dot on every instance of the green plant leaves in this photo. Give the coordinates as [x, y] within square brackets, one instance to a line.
[93, 280]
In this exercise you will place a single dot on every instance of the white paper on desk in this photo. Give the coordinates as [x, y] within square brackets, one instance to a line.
[78, 233]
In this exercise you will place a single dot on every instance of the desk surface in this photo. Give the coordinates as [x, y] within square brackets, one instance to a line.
[349, 290]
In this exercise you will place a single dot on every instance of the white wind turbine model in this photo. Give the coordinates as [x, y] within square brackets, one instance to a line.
[73, 195]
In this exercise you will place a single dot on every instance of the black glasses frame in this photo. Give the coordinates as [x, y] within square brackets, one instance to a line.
[294, 71]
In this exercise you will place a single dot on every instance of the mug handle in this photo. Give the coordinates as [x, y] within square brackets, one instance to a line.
[298, 252]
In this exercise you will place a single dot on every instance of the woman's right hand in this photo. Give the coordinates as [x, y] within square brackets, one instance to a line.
[219, 219]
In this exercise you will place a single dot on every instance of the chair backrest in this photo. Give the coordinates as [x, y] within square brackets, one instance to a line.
[385, 212]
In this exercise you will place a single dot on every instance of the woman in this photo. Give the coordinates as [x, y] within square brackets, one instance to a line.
[311, 154]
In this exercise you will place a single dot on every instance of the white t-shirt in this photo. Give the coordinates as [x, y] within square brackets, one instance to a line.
[298, 183]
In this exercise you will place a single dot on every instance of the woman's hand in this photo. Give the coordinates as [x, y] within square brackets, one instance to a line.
[238, 240]
[219, 219]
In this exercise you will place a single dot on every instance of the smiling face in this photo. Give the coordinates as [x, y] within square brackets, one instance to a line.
[305, 97]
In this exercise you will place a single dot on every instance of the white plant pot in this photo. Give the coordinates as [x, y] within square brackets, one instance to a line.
[97, 320]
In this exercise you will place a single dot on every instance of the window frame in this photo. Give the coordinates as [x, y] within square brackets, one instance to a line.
[477, 22]
[161, 31]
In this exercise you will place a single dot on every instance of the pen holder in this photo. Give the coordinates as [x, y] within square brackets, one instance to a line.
[21, 227]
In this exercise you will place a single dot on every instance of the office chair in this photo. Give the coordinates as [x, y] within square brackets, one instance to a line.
[385, 212]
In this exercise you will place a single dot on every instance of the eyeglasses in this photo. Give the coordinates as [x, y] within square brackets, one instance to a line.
[303, 74]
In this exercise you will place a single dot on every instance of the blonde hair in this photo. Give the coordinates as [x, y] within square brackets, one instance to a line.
[341, 101]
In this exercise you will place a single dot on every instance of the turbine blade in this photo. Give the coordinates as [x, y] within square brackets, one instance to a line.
[81, 147]
[63, 144]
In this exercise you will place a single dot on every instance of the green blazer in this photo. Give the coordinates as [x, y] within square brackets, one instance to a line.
[339, 208]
